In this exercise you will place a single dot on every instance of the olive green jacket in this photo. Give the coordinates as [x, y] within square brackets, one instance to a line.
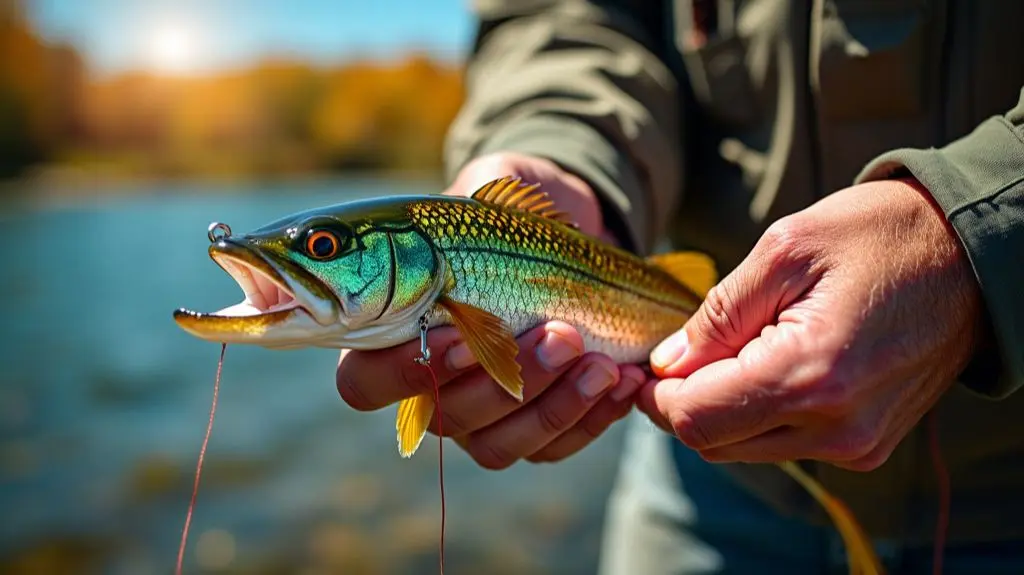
[707, 142]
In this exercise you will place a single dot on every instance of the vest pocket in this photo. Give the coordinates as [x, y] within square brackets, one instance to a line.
[871, 59]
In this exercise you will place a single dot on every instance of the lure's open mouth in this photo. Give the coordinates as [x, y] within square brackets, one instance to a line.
[270, 300]
[265, 292]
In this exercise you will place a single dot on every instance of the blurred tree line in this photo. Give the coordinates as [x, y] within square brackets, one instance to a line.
[279, 116]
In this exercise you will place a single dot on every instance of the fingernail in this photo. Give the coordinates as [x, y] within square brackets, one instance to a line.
[459, 357]
[626, 387]
[671, 350]
[554, 351]
[594, 381]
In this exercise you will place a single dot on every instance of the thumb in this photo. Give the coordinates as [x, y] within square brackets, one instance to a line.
[733, 313]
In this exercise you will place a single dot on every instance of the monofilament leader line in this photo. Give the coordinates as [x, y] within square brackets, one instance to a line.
[424, 360]
[199, 464]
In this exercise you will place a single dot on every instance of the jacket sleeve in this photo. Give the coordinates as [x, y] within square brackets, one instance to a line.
[978, 181]
[580, 85]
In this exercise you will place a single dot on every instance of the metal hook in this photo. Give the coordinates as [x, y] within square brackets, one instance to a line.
[211, 232]
[424, 358]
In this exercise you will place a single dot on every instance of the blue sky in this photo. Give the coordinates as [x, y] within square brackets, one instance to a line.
[201, 35]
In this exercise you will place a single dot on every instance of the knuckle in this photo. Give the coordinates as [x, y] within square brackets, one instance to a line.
[689, 431]
[414, 379]
[831, 396]
[783, 235]
[351, 392]
[720, 320]
[784, 243]
[853, 443]
[825, 387]
[492, 457]
[452, 424]
[550, 418]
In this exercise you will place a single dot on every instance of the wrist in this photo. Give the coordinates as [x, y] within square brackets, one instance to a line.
[961, 278]
[927, 211]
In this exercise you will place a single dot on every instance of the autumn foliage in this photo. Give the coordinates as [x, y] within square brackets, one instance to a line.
[278, 116]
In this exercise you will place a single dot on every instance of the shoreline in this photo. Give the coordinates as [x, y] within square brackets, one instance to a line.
[50, 184]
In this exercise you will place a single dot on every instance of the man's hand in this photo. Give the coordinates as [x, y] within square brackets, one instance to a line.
[570, 397]
[830, 341]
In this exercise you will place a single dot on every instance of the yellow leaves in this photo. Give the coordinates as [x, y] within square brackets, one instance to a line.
[275, 115]
[366, 115]
[399, 112]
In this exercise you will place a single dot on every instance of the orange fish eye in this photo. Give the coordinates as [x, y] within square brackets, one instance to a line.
[322, 245]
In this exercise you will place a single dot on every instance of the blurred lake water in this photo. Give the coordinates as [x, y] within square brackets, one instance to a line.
[104, 402]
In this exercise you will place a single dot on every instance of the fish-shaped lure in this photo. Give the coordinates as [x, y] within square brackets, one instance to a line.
[361, 275]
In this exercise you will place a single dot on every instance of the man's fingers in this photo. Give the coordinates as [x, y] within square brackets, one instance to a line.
[590, 427]
[551, 414]
[887, 432]
[719, 404]
[369, 380]
[645, 402]
[733, 312]
[780, 444]
[593, 425]
[859, 442]
[736, 309]
[848, 446]
[474, 400]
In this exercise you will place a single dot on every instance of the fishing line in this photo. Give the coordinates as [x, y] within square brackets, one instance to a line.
[440, 455]
[199, 464]
[942, 476]
[424, 360]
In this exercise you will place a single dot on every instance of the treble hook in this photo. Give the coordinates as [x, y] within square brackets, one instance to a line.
[211, 232]
[424, 358]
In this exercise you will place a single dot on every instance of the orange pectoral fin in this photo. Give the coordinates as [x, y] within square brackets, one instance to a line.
[491, 341]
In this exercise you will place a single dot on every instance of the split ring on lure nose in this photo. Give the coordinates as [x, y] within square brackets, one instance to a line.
[211, 232]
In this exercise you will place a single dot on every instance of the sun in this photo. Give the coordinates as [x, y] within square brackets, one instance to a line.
[172, 48]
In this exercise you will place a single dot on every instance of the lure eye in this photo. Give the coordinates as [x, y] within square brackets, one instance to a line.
[322, 245]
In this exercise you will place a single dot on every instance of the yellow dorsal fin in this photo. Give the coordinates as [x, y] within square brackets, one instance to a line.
[491, 341]
[411, 422]
[861, 555]
[511, 193]
[692, 269]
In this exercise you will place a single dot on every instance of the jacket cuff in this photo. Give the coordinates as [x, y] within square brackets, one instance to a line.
[978, 183]
[581, 150]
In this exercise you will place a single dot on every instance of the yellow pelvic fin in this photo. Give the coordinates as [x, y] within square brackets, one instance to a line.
[692, 269]
[413, 418]
[861, 555]
[511, 193]
[491, 341]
